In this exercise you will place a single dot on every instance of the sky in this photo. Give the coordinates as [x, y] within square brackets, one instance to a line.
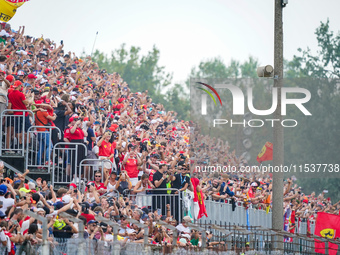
[186, 32]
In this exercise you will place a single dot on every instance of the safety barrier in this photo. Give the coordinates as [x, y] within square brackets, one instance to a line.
[13, 130]
[221, 212]
[39, 151]
[160, 200]
[88, 167]
[226, 240]
[66, 159]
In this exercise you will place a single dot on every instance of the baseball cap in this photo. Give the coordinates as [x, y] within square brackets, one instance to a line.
[43, 81]
[17, 84]
[10, 78]
[31, 76]
[20, 72]
[3, 189]
[74, 71]
[92, 221]
[254, 184]
[73, 118]
[73, 185]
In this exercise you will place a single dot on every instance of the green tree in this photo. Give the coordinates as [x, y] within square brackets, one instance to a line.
[316, 140]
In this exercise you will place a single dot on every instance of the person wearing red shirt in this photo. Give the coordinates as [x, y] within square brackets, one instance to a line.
[42, 118]
[130, 163]
[100, 187]
[75, 134]
[18, 101]
[106, 151]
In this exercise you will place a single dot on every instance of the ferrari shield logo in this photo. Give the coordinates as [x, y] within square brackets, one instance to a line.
[327, 233]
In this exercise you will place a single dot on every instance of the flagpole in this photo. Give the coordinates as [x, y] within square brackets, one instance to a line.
[94, 43]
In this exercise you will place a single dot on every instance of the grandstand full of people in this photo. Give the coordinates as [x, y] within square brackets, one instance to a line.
[144, 149]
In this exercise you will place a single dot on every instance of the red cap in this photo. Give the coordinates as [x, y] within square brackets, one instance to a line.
[113, 129]
[120, 100]
[31, 76]
[47, 101]
[38, 101]
[305, 201]
[163, 163]
[73, 118]
[10, 78]
[17, 84]
[47, 71]
[72, 185]
[86, 119]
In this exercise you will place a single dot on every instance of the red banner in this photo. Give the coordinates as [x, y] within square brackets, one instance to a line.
[327, 226]
[266, 153]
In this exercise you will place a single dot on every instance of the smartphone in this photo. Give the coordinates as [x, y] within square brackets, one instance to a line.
[17, 197]
[62, 42]
[75, 191]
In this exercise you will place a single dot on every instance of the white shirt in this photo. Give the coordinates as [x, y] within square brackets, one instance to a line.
[3, 90]
[181, 228]
[7, 202]
[109, 187]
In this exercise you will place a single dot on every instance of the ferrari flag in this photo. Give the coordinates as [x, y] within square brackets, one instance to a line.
[266, 153]
[327, 226]
[199, 206]
[8, 8]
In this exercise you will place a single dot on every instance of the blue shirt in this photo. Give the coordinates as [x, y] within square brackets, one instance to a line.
[230, 193]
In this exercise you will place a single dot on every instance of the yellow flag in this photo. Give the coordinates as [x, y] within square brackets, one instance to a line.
[8, 8]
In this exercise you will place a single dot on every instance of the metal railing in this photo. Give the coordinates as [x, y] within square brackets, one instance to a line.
[66, 160]
[160, 200]
[88, 167]
[221, 212]
[39, 151]
[13, 132]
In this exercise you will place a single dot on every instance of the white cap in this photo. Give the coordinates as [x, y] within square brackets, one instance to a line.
[74, 71]
[254, 184]
[43, 81]
[31, 185]
[66, 199]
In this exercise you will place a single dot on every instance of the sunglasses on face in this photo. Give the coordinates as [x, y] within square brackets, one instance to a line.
[97, 176]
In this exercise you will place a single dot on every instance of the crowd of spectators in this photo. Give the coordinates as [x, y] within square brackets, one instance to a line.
[148, 148]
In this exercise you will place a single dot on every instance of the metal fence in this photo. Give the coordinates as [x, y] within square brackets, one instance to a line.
[223, 213]
[162, 200]
[88, 167]
[232, 241]
[13, 130]
[66, 160]
[39, 149]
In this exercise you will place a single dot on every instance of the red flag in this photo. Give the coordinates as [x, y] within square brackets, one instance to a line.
[308, 228]
[327, 226]
[266, 153]
[198, 198]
